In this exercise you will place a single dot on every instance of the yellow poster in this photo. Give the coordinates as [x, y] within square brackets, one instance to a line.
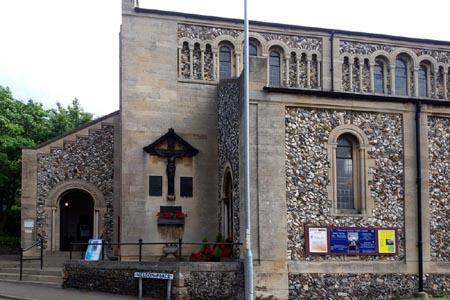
[386, 241]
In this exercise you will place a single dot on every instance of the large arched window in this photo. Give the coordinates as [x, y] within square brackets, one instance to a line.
[252, 50]
[345, 173]
[423, 81]
[274, 69]
[401, 78]
[225, 62]
[348, 147]
[378, 77]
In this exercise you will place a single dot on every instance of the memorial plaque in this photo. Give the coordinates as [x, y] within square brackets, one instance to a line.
[186, 186]
[155, 186]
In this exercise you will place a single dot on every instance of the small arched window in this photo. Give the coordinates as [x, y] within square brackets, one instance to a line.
[274, 69]
[423, 81]
[401, 79]
[225, 62]
[252, 50]
[345, 173]
[378, 77]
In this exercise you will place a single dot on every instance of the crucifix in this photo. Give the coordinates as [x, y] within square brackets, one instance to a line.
[171, 154]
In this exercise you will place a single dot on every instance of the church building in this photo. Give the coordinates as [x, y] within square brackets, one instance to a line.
[349, 155]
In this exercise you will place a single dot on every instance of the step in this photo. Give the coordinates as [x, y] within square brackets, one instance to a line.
[30, 277]
[33, 271]
[36, 283]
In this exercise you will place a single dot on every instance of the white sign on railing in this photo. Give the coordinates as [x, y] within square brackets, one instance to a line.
[152, 275]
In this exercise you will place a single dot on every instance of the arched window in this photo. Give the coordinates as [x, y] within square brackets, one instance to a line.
[348, 147]
[274, 68]
[345, 173]
[401, 79]
[378, 77]
[252, 50]
[423, 81]
[225, 62]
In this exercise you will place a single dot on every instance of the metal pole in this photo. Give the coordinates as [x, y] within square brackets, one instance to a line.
[21, 263]
[140, 287]
[42, 253]
[248, 266]
[169, 287]
[140, 250]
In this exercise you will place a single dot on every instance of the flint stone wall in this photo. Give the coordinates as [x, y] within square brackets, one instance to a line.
[439, 180]
[228, 146]
[89, 159]
[363, 286]
[193, 281]
[307, 175]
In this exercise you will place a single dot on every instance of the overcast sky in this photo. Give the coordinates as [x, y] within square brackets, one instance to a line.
[57, 50]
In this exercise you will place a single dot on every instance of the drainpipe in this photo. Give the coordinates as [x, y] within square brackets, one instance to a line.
[332, 59]
[419, 197]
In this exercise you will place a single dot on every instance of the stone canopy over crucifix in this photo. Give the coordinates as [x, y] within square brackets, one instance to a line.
[171, 146]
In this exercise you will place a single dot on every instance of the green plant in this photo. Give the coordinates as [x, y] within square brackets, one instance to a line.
[440, 294]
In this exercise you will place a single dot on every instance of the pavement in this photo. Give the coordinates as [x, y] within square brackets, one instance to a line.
[23, 291]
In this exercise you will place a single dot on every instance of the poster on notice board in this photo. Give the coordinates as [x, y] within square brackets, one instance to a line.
[94, 249]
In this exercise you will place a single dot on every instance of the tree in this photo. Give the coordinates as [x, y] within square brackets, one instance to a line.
[63, 120]
[27, 124]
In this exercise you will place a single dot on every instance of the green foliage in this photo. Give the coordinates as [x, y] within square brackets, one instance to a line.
[65, 119]
[440, 294]
[26, 125]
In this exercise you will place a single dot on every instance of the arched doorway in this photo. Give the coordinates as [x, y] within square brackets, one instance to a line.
[77, 218]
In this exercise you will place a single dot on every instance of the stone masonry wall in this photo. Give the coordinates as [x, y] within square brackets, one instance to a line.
[438, 145]
[363, 286]
[307, 175]
[228, 144]
[194, 281]
[89, 159]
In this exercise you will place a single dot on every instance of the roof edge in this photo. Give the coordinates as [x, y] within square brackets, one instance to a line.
[100, 119]
[296, 27]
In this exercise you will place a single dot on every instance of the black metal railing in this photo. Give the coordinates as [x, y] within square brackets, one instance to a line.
[140, 244]
[41, 256]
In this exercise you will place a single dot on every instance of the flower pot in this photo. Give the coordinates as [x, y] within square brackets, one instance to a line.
[170, 221]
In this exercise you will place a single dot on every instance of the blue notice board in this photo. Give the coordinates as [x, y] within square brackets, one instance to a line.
[352, 241]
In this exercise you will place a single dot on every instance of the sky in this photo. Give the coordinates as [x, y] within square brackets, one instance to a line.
[57, 50]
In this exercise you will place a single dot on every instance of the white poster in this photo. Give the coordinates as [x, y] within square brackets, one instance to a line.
[318, 241]
[94, 249]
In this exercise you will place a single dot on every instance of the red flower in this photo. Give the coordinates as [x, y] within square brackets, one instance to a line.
[172, 215]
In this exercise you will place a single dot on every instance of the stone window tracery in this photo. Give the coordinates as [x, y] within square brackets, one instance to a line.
[423, 81]
[346, 75]
[209, 63]
[293, 82]
[356, 75]
[344, 173]
[401, 78]
[440, 83]
[349, 191]
[197, 62]
[224, 62]
[274, 68]
[314, 73]
[185, 64]
[303, 71]
[379, 77]
[366, 77]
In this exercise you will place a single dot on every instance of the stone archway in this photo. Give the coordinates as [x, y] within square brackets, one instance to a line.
[55, 203]
[76, 218]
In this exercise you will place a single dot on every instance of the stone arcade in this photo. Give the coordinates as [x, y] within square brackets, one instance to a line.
[343, 126]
